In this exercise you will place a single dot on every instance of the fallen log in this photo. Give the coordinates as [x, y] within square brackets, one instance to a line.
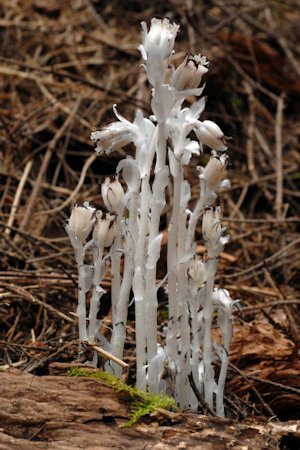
[64, 413]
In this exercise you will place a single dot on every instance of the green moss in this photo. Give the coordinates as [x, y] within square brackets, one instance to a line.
[143, 403]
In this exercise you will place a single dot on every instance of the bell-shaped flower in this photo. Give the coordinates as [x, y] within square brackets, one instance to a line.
[119, 134]
[157, 46]
[197, 271]
[112, 193]
[113, 137]
[80, 223]
[213, 233]
[210, 134]
[159, 40]
[104, 230]
[215, 170]
[188, 74]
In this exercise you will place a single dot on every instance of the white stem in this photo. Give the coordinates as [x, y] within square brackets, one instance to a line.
[161, 147]
[81, 308]
[120, 317]
[227, 335]
[96, 295]
[115, 266]
[139, 285]
[208, 312]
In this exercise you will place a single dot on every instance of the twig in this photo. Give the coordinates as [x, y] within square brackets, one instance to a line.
[199, 396]
[28, 296]
[109, 356]
[246, 378]
[46, 160]
[17, 197]
[278, 147]
[69, 200]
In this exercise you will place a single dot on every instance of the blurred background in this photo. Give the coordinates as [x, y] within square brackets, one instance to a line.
[63, 64]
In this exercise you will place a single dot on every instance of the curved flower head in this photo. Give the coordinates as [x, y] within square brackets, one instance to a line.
[112, 193]
[104, 230]
[215, 170]
[210, 134]
[197, 271]
[81, 222]
[113, 137]
[188, 74]
[212, 231]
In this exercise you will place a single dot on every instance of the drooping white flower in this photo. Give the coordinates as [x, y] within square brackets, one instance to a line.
[197, 271]
[212, 231]
[215, 170]
[210, 134]
[119, 134]
[113, 137]
[104, 230]
[188, 74]
[112, 193]
[81, 222]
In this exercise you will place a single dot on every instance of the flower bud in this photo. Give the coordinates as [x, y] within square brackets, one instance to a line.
[212, 231]
[189, 74]
[112, 193]
[210, 134]
[81, 222]
[197, 271]
[215, 170]
[104, 230]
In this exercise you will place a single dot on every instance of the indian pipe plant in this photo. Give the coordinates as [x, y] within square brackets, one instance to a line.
[129, 231]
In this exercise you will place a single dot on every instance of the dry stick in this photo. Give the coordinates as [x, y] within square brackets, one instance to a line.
[199, 397]
[250, 131]
[18, 195]
[110, 356]
[278, 148]
[69, 200]
[265, 261]
[37, 187]
[287, 308]
[275, 384]
[246, 378]
[28, 296]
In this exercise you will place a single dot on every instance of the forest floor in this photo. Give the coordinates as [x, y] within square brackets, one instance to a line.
[63, 65]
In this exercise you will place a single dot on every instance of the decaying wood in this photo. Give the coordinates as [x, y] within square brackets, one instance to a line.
[60, 413]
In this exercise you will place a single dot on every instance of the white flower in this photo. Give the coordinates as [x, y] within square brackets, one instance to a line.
[112, 193]
[215, 170]
[118, 134]
[159, 40]
[157, 46]
[212, 231]
[188, 74]
[113, 137]
[210, 134]
[81, 222]
[104, 230]
[197, 271]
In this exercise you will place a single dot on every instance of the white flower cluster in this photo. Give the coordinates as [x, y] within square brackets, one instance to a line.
[131, 231]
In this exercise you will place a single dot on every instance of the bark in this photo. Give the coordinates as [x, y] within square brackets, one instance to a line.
[64, 413]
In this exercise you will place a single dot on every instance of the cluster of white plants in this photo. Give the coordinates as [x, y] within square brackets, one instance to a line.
[130, 231]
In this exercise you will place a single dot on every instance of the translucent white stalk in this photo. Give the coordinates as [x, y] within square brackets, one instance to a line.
[115, 257]
[96, 294]
[208, 312]
[81, 308]
[121, 309]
